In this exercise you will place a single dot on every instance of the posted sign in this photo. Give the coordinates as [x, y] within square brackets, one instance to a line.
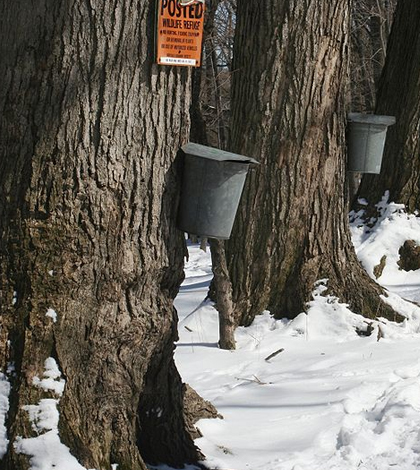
[179, 33]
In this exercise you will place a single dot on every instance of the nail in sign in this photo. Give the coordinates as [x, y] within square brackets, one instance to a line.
[180, 33]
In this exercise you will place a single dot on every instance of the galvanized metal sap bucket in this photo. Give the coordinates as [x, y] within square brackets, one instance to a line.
[366, 141]
[212, 185]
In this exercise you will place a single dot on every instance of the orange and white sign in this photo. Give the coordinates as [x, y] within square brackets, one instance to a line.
[180, 32]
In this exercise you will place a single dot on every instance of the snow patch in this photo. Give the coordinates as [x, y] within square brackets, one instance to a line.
[4, 408]
[46, 451]
[381, 239]
[51, 378]
[52, 314]
[165, 467]
[327, 317]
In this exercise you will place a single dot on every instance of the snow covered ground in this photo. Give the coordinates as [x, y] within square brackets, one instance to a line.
[331, 399]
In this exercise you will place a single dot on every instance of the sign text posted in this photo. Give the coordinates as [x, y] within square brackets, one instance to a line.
[180, 33]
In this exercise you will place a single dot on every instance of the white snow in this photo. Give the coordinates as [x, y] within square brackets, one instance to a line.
[52, 378]
[52, 314]
[43, 416]
[165, 467]
[331, 400]
[46, 451]
[4, 408]
[392, 229]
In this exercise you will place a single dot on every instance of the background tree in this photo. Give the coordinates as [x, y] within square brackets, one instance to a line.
[89, 132]
[399, 95]
[370, 26]
[221, 292]
[289, 112]
[211, 82]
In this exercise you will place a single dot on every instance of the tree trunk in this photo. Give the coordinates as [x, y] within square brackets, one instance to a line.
[399, 95]
[89, 184]
[198, 124]
[223, 295]
[288, 107]
[370, 24]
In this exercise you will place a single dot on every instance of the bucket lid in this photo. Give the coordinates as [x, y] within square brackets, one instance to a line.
[215, 154]
[372, 119]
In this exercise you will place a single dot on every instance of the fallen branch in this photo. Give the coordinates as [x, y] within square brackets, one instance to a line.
[274, 354]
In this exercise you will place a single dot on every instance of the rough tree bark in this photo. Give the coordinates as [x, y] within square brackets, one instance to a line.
[288, 107]
[223, 295]
[89, 132]
[399, 95]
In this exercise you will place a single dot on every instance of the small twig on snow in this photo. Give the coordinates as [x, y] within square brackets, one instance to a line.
[274, 354]
[255, 380]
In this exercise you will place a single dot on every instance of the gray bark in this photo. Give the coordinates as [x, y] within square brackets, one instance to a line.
[289, 108]
[223, 295]
[89, 133]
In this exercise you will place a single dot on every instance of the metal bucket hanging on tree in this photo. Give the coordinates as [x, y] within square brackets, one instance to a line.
[366, 141]
[212, 185]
